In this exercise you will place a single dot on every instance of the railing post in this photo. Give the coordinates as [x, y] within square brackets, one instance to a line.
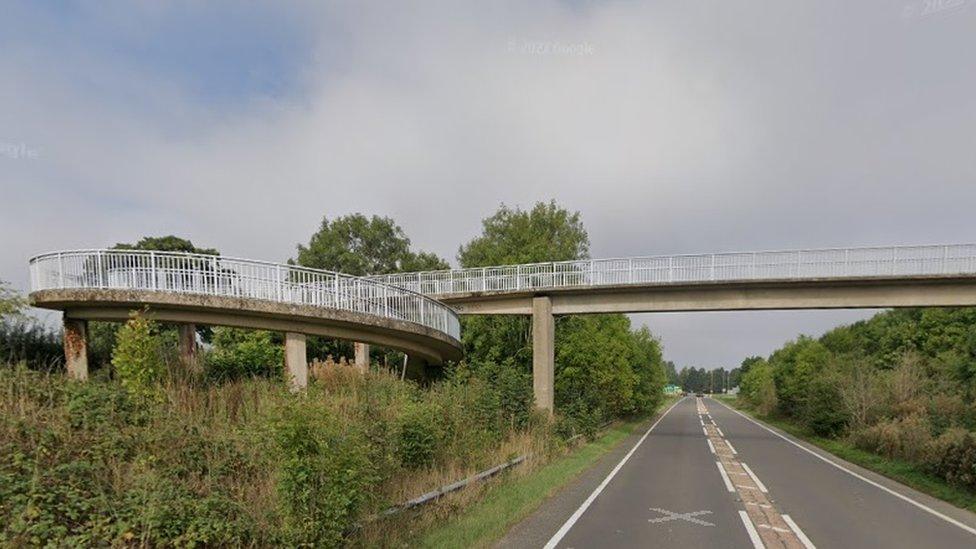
[894, 261]
[945, 259]
[518, 277]
[100, 270]
[61, 269]
[670, 268]
[712, 273]
[630, 270]
[484, 279]
[386, 301]
[278, 280]
[152, 269]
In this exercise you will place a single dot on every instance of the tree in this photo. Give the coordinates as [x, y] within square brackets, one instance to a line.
[11, 302]
[511, 236]
[168, 243]
[357, 245]
[547, 232]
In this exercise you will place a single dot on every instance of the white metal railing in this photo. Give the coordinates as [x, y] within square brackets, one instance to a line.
[222, 276]
[895, 261]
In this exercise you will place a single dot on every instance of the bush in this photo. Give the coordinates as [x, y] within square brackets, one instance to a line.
[958, 461]
[239, 354]
[419, 436]
[905, 438]
[325, 477]
[138, 355]
[822, 411]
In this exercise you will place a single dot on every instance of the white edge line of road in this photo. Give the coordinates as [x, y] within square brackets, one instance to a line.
[729, 444]
[711, 446]
[751, 529]
[564, 529]
[799, 533]
[882, 487]
[725, 477]
[762, 487]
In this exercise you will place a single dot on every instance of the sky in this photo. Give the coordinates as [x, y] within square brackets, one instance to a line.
[673, 127]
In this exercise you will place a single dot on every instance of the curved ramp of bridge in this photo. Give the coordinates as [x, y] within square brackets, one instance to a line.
[938, 275]
[215, 290]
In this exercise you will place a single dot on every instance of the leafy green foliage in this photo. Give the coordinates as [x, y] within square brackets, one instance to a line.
[900, 385]
[358, 245]
[138, 355]
[239, 353]
[169, 243]
[511, 235]
[11, 302]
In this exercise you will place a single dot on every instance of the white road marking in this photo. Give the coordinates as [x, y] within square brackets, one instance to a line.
[704, 431]
[774, 528]
[882, 487]
[720, 433]
[754, 478]
[690, 517]
[799, 533]
[729, 444]
[700, 421]
[753, 534]
[710, 445]
[763, 505]
[564, 529]
[725, 477]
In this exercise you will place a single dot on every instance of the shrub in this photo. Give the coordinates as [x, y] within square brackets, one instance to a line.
[822, 411]
[419, 435]
[138, 355]
[907, 438]
[958, 461]
[238, 354]
[324, 476]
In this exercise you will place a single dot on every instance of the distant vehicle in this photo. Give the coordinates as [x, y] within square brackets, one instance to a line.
[699, 394]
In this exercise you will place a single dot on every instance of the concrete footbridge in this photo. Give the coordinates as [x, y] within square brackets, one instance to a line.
[836, 278]
[417, 312]
[189, 289]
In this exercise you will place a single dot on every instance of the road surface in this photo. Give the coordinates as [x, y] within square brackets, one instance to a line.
[707, 476]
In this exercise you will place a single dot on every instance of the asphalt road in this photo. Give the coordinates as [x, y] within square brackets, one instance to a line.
[706, 476]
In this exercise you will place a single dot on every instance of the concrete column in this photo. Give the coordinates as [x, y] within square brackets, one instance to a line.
[362, 356]
[296, 363]
[415, 369]
[543, 352]
[188, 346]
[76, 348]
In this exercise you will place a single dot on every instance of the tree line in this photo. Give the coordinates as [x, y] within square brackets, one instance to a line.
[901, 384]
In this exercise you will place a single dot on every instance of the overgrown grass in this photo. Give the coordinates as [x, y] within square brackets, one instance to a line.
[905, 472]
[240, 463]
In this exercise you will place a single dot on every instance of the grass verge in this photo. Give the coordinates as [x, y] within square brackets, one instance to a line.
[514, 498]
[906, 473]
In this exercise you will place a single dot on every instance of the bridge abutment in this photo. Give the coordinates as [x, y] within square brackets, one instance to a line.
[296, 361]
[76, 348]
[543, 352]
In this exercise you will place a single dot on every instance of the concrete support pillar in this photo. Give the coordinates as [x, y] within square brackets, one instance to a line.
[296, 362]
[362, 356]
[188, 346]
[415, 369]
[543, 352]
[76, 348]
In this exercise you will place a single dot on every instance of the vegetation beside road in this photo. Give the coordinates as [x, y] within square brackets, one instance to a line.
[153, 451]
[894, 394]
